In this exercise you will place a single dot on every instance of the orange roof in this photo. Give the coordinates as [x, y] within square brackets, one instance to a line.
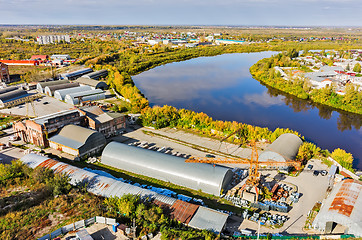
[346, 197]
[183, 211]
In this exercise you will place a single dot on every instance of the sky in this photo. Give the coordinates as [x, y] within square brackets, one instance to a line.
[183, 12]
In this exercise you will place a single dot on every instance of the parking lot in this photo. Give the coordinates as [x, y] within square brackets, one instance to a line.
[42, 106]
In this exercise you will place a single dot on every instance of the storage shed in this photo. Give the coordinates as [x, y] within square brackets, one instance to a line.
[49, 90]
[41, 85]
[78, 141]
[206, 218]
[95, 84]
[198, 176]
[341, 212]
[75, 74]
[96, 75]
[60, 94]
[8, 89]
[108, 187]
[7, 97]
[284, 148]
[90, 95]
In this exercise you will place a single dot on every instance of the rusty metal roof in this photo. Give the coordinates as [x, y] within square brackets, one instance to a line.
[343, 206]
[183, 211]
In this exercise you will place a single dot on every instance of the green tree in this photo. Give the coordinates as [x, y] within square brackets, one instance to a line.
[357, 68]
[343, 158]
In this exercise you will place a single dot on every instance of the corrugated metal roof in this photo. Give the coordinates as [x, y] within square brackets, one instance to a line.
[9, 96]
[199, 176]
[77, 73]
[7, 89]
[343, 206]
[91, 82]
[42, 85]
[106, 187]
[287, 145]
[60, 94]
[183, 211]
[44, 119]
[73, 136]
[207, 218]
[91, 95]
[51, 89]
[96, 75]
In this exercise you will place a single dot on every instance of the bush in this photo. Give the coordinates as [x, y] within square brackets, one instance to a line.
[343, 158]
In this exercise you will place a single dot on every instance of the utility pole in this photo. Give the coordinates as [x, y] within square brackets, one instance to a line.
[258, 230]
[134, 229]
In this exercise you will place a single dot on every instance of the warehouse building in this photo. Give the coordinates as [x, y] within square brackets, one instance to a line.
[37, 130]
[12, 98]
[107, 123]
[76, 74]
[40, 87]
[284, 148]
[21, 62]
[49, 90]
[205, 218]
[60, 57]
[95, 84]
[4, 73]
[198, 176]
[78, 141]
[60, 94]
[79, 97]
[96, 75]
[341, 212]
[8, 89]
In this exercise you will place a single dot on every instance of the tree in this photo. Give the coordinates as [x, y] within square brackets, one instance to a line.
[348, 68]
[343, 158]
[357, 68]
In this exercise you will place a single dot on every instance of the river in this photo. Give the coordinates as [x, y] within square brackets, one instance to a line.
[223, 88]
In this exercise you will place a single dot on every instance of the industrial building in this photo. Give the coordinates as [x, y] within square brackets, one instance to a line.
[21, 62]
[36, 130]
[48, 39]
[341, 211]
[107, 123]
[42, 58]
[96, 75]
[95, 84]
[49, 90]
[14, 97]
[197, 176]
[78, 141]
[60, 57]
[4, 73]
[76, 74]
[79, 97]
[284, 148]
[187, 213]
[60, 94]
[40, 87]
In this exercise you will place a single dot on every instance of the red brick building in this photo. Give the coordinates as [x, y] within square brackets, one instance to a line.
[4, 73]
[37, 130]
[107, 123]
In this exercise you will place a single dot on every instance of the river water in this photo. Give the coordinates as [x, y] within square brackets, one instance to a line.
[223, 88]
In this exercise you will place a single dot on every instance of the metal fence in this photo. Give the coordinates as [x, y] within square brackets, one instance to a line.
[77, 225]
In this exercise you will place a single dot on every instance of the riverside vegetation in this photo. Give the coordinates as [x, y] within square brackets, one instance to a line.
[264, 72]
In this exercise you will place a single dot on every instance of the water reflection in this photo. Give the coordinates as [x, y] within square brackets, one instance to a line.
[345, 121]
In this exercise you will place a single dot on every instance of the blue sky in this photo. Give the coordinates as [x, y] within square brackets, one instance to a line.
[183, 12]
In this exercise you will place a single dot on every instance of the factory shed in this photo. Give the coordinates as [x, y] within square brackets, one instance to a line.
[7, 89]
[341, 211]
[49, 90]
[95, 84]
[41, 85]
[284, 148]
[96, 75]
[7, 98]
[198, 176]
[183, 211]
[61, 93]
[108, 187]
[75, 74]
[79, 97]
[78, 141]
[206, 218]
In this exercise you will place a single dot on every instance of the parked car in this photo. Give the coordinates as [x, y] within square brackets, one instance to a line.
[315, 173]
[324, 172]
[210, 156]
[310, 167]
